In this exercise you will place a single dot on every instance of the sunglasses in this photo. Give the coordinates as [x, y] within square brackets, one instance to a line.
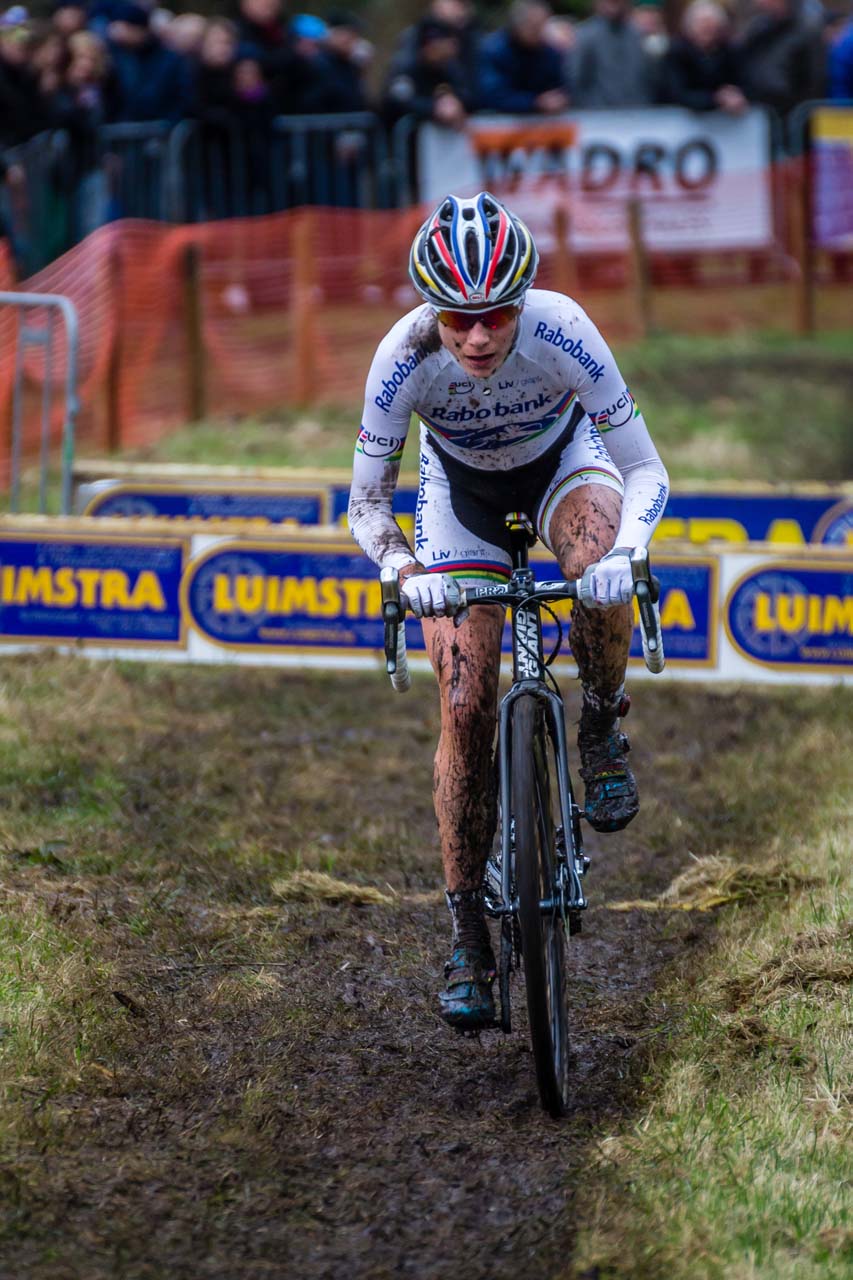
[462, 321]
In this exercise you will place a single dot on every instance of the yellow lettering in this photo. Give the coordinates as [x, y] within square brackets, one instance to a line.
[148, 592]
[299, 595]
[222, 602]
[88, 580]
[273, 593]
[114, 589]
[8, 579]
[838, 615]
[249, 592]
[353, 590]
[373, 601]
[706, 528]
[764, 620]
[787, 531]
[670, 527]
[64, 588]
[35, 586]
[791, 611]
[329, 603]
[676, 612]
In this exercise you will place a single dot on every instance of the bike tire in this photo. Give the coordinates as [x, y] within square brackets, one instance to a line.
[543, 935]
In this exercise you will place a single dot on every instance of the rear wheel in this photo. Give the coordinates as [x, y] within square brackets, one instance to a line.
[543, 935]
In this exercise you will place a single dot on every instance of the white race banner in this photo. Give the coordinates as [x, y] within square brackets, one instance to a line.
[703, 178]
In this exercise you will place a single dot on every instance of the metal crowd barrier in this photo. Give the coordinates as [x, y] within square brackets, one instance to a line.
[43, 336]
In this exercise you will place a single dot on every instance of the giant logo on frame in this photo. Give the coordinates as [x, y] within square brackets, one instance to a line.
[792, 616]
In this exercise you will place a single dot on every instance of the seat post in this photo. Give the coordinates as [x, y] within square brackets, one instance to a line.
[522, 536]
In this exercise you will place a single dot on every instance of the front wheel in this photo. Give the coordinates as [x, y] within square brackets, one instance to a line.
[543, 935]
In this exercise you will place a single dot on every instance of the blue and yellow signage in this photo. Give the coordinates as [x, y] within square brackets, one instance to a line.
[789, 518]
[793, 616]
[117, 591]
[263, 596]
[256, 596]
[188, 501]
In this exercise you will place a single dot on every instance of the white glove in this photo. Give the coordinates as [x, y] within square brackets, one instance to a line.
[609, 581]
[432, 595]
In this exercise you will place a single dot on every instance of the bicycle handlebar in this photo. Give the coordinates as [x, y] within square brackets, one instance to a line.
[646, 589]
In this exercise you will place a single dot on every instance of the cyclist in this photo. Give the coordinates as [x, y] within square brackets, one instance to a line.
[521, 407]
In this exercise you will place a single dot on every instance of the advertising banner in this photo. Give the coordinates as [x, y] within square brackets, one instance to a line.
[793, 616]
[789, 516]
[832, 155]
[265, 597]
[203, 500]
[793, 515]
[225, 592]
[703, 177]
[97, 589]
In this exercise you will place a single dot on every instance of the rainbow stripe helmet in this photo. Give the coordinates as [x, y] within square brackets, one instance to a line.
[472, 255]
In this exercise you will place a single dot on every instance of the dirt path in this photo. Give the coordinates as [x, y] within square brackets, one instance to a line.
[310, 1116]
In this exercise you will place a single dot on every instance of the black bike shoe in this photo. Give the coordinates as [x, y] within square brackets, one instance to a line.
[611, 798]
[467, 1002]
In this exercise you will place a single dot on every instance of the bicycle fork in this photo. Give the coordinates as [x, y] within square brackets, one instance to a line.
[570, 898]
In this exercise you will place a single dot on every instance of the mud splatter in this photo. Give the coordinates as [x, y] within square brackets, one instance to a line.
[464, 792]
[423, 334]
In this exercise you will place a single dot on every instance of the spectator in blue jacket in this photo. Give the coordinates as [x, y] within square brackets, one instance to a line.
[520, 71]
[153, 82]
[841, 64]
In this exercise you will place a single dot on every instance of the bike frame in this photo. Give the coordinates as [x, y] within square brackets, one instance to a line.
[529, 679]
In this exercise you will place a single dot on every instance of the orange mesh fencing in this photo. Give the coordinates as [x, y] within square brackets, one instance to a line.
[241, 316]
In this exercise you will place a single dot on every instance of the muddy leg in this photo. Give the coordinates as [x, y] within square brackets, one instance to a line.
[466, 661]
[583, 529]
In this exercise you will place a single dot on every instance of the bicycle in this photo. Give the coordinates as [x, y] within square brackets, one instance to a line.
[534, 879]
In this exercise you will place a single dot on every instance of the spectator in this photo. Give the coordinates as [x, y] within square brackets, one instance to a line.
[520, 71]
[214, 76]
[87, 99]
[700, 71]
[781, 55]
[647, 17]
[460, 15]
[22, 112]
[561, 34]
[184, 34]
[153, 82]
[347, 55]
[431, 85]
[48, 59]
[312, 85]
[610, 66]
[69, 17]
[841, 64]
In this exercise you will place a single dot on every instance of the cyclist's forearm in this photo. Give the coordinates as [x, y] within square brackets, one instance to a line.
[646, 492]
[373, 526]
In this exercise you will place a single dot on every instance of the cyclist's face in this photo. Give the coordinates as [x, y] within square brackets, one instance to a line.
[479, 350]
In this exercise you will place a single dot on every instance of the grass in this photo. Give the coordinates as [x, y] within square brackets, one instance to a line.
[750, 407]
[202, 868]
[741, 1164]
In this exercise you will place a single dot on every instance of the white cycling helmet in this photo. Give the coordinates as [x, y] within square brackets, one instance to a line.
[472, 255]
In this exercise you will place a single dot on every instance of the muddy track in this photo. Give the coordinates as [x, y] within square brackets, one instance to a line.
[313, 1117]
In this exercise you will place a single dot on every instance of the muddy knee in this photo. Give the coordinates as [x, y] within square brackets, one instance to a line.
[584, 528]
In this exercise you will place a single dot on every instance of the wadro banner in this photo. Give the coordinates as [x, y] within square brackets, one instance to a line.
[226, 593]
[703, 177]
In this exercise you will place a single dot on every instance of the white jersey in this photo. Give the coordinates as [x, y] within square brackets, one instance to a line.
[558, 371]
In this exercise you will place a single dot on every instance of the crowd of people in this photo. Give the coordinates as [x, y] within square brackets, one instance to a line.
[99, 61]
